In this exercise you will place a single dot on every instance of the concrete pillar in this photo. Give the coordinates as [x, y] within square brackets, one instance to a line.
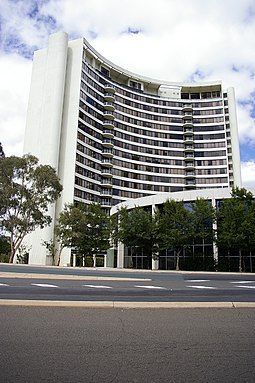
[120, 255]
[155, 255]
[234, 137]
[215, 247]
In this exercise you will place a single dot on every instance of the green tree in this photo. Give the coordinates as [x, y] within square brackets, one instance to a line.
[250, 230]
[138, 228]
[231, 226]
[242, 194]
[84, 228]
[203, 218]
[235, 222]
[27, 189]
[175, 227]
[4, 248]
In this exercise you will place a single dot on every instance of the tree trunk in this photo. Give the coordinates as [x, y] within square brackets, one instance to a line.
[178, 260]
[12, 249]
[59, 255]
[12, 256]
[240, 260]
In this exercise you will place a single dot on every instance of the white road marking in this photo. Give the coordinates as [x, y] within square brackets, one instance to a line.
[98, 286]
[43, 285]
[202, 287]
[247, 287]
[243, 282]
[152, 287]
[197, 280]
[3, 284]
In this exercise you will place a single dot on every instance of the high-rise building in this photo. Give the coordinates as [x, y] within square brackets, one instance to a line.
[113, 135]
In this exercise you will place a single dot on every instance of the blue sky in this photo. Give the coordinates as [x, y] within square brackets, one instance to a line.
[174, 40]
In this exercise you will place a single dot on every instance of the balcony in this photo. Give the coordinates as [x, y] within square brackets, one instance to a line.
[187, 115]
[188, 156]
[107, 133]
[106, 182]
[109, 97]
[107, 153]
[106, 202]
[106, 162]
[190, 184]
[189, 149]
[188, 130]
[108, 124]
[187, 124]
[109, 106]
[106, 172]
[187, 108]
[190, 174]
[188, 139]
[109, 88]
[108, 115]
[107, 142]
[189, 164]
[106, 193]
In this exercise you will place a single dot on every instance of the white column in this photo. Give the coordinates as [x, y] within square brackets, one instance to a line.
[120, 255]
[234, 137]
[155, 256]
[44, 120]
[215, 247]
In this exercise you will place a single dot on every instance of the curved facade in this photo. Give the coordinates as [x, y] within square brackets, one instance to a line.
[126, 136]
[146, 137]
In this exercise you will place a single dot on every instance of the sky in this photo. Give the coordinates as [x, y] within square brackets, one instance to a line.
[172, 40]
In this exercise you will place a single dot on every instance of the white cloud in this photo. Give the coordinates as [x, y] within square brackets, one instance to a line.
[176, 39]
[248, 174]
[15, 82]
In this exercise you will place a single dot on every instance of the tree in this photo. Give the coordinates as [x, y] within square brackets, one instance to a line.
[175, 227]
[27, 189]
[242, 194]
[84, 228]
[235, 221]
[232, 225]
[250, 230]
[4, 248]
[203, 217]
[138, 228]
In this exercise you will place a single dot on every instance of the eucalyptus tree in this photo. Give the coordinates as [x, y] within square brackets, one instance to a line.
[175, 227]
[203, 218]
[250, 231]
[83, 227]
[138, 228]
[235, 222]
[27, 190]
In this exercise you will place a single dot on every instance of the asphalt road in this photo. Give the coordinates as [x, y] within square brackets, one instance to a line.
[82, 345]
[52, 283]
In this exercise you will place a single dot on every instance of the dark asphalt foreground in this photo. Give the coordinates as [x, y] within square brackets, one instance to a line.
[103, 345]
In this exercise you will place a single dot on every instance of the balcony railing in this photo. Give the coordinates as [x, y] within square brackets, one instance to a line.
[108, 115]
[109, 106]
[107, 142]
[109, 88]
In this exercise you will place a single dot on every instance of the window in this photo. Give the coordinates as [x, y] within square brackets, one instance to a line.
[135, 85]
[105, 71]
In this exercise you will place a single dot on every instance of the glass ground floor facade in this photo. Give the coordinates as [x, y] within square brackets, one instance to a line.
[197, 257]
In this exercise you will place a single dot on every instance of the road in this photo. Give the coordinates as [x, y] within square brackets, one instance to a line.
[68, 284]
[145, 346]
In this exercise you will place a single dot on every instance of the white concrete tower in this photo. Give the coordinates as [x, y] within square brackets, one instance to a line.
[44, 116]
